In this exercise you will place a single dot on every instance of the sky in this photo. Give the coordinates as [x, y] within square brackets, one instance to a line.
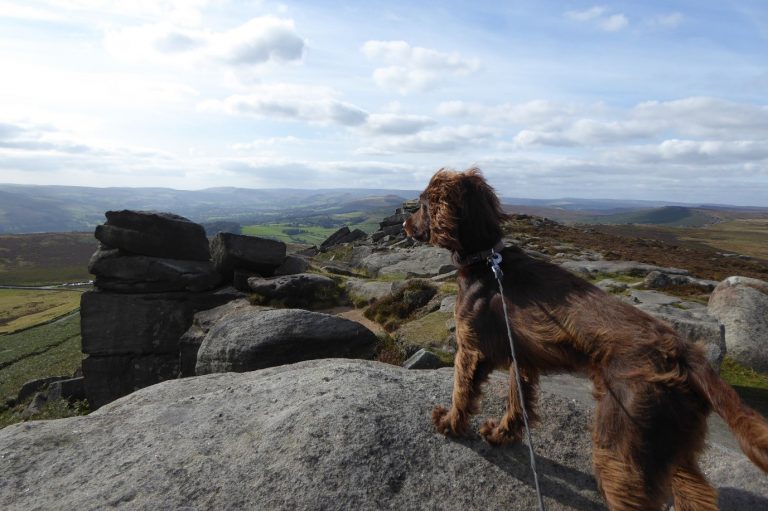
[657, 100]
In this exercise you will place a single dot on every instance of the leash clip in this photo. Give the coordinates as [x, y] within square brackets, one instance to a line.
[493, 261]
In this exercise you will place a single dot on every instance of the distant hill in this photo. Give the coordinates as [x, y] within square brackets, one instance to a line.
[27, 208]
[30, 209]
[671, 216]
[667, 216]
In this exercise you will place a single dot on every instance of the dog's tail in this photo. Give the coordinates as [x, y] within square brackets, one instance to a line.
[748, 426]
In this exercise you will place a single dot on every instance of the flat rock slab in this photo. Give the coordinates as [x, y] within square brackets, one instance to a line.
[690, 319]
[255, 339]
[232, 252]
[299, 290]
[419, 261]
[154, 234]
[125, 273]
[367, 290]
[632, 268]
[325, 434]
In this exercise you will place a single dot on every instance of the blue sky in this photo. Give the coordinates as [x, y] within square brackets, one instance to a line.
[662, 100]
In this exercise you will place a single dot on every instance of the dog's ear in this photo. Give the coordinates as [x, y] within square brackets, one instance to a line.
[443, 195]
[479, 224]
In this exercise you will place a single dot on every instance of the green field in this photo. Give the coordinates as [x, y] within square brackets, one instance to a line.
[290, 233]
[24, 308]
[313, 230]
[47, 350]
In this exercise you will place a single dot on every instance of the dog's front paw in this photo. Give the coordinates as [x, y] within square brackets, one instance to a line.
[495, 434]
[445, 422]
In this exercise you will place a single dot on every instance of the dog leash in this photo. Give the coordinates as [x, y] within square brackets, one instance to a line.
[493, 261]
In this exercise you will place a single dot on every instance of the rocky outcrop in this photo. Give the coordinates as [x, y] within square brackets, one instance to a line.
[132, 341]
[153, 274]
[326, 434]
[121, 272]
[391, 228]
[690, 319]
[232, 252]
[189, 343]
[305, 290]
[632, 268]
[292, 265]
[246, 340]
[660, 280]
[343, 235]
[366, 291]
[153, 234]
[418, 261]
[741, 305]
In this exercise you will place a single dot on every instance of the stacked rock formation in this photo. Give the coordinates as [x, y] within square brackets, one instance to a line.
[153, 273]
[391, 228]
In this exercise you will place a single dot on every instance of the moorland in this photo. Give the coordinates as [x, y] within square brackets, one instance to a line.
[39, 327]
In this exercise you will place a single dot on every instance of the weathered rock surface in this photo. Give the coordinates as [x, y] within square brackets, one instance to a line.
[690, 319]
[133, 339]
[300, 290]
[190, 342]
[367, 290]
[156, 320]
[343, 235]
[71, 388]
[232, 252]
[117, 271]
[448, 303]
[330, 434]
[660, 280]
[246, 340]
[33, 386]
[632, 268]
[741, 305]
[154, 234]
[292, 265]
[422, 359]
[419, 261]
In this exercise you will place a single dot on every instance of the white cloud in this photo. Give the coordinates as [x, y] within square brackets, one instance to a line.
[258, 41]
[614, 23]
[262, 144]
[184, 12]
[537, 112]
[697, 152]
[291, 102]
[458, 108]
[707, 117]
[589, 132]
[696, 117]
[397, 124]
[412, 68]
[598, 15]
[586, 15]
[439, 140]
[670, 20]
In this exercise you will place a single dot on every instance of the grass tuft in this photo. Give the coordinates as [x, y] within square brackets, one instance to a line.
[391, 310]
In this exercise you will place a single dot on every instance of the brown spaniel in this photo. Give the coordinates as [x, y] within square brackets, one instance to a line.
[653, 388]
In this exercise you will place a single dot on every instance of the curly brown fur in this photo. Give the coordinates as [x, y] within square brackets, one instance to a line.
[653, 389]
